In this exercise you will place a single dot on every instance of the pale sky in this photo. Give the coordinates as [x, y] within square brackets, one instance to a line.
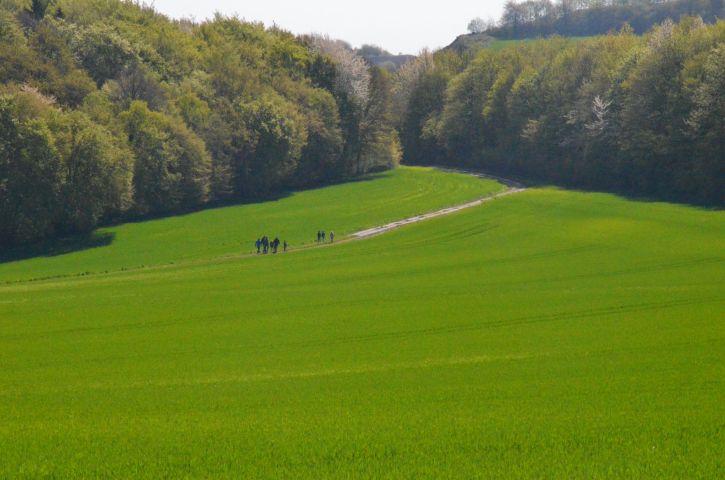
[398, 26]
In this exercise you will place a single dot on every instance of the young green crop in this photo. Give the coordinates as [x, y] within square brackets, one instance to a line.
[549, 334]
[232, 231]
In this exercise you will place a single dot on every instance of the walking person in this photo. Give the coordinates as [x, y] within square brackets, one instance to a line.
[258, 244]
[332, 237]
[285, 246]
[323, 236]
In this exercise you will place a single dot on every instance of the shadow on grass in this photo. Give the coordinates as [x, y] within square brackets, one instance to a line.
[631, 197]
[63, 246]
[57, 247]
[533, 182]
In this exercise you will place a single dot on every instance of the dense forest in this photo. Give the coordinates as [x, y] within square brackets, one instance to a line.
[641, 115]
[109, 110]
[535, 18]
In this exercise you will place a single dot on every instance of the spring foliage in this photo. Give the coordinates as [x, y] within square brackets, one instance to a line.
[639, 115]
[111, 110]
[531, 18]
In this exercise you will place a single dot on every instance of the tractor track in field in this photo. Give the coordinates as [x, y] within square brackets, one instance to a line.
[513, 188]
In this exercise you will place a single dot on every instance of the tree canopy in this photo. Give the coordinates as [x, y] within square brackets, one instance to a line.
[111, 110]
[642, 115]
[534, 18]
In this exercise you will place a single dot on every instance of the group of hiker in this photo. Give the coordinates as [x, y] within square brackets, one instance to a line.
[265, 245]
[322, 236]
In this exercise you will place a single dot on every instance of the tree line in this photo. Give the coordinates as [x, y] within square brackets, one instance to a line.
[641, 115]
[109, 111]
[534, 18]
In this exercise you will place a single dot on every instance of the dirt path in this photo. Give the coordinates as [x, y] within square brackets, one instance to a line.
[513, 187]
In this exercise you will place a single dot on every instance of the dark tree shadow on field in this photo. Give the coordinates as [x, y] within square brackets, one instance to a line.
[70, 244]
[57, 247]
[632, 197]
[534, 182]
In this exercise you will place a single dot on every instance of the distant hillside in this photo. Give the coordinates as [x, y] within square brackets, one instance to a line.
[469, 41]
[389, 62]
[535, 18]
[379, 57]
[473, 41]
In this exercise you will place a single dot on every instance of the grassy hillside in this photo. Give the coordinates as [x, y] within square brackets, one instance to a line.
[550, 334]
[464, 43]
[211, 234]
[499, 44]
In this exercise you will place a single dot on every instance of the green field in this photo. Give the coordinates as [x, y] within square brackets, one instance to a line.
[549, 334]
[224, 232]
